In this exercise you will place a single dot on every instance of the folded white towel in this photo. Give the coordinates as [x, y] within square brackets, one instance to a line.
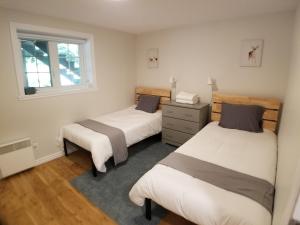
[185, 97]
[186, 101]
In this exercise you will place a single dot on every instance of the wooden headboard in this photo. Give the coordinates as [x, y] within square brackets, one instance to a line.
[271, 106]
[165, 94]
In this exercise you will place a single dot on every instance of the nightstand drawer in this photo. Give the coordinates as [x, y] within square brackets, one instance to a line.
[176, 136]
[180, 125]
[181, 113]
[166, 141]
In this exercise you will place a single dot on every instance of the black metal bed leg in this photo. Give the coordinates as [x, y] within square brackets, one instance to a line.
[148, 208]
[65, 147]
[112, 161]
[94, 169]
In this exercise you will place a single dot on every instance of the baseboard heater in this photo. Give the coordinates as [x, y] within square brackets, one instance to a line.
[15, 157]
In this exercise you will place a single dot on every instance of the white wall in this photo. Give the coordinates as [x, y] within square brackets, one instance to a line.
[193, 53]
[288, 175]
[42, 118]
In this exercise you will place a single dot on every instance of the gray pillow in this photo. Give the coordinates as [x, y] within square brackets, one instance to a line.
[148, 103]
[242, 117]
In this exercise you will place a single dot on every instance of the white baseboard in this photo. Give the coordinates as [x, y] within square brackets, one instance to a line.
[53, 156]
[49, 158]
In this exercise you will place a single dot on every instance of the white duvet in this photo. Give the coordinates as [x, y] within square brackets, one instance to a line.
[136, 125]
[202, 203]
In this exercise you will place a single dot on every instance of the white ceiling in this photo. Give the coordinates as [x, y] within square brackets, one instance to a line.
[138, 16]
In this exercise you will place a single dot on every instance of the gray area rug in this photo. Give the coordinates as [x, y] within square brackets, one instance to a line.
[110, 191]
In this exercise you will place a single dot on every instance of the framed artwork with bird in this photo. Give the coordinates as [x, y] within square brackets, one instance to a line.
[251, 53]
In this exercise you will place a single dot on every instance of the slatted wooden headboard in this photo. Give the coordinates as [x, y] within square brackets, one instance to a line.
[271, 114]
[165, 94]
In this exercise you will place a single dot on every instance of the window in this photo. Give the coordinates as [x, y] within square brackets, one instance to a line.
[69, 63]
[51, 61]
[36, 61]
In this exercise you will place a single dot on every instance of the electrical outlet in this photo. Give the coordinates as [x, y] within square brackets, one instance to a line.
[58, 142]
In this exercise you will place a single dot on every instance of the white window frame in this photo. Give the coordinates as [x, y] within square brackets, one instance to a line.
[86, 56]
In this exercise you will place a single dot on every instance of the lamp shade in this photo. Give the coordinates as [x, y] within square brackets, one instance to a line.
[210, 81]
[172, 80]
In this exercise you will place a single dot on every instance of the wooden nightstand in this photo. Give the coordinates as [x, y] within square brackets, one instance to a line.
[180, 122]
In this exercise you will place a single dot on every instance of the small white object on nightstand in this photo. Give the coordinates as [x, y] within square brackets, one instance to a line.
[187, 98]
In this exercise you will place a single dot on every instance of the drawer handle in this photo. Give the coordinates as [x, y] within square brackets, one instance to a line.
[187, 128]
[170, 124]
[170, 111]
[188, 115]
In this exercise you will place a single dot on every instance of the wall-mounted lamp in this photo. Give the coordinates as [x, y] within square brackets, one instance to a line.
[210, 81]
[211, 84]
[173, 83]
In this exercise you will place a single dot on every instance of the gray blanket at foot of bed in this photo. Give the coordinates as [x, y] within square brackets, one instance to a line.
[115, 135]
[254, 188]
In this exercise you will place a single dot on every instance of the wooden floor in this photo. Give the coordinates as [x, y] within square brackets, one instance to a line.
[44, 196]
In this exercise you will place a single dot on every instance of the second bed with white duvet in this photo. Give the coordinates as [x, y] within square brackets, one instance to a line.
[253, 154]
[135, 124]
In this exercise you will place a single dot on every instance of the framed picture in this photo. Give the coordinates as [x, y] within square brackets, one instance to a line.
[152, 58]
[251, 52]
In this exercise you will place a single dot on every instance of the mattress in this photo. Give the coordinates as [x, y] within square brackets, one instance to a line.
[254, 154]
[136, 125]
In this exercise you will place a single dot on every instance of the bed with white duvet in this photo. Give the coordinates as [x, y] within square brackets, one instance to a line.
[253, 154]
[136, 125]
